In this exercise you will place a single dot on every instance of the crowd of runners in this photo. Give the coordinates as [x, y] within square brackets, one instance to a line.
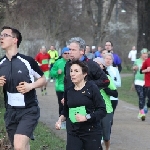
[86, 82]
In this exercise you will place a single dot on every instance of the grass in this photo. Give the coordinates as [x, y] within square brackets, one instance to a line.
[125, 92]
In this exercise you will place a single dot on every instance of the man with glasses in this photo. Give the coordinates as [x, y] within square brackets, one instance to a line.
[17, 73]
[57, 72]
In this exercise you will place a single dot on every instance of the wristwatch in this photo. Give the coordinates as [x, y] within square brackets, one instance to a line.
[88, 116]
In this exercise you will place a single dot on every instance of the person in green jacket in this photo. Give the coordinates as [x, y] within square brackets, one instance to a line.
[106, 93]
[57, 72]
[53, 57]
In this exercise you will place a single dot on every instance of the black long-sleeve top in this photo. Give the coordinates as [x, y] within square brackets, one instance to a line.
[90, 97]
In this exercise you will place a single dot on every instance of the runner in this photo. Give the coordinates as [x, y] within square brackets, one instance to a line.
[83, 110]
[53, 57]
[57, 72]
[106, 93]
[139, 82]
[43, 60]
[146, 70]
[17, 73]
[114, 73]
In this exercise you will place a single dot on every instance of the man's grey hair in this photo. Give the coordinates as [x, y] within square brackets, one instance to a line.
[78, 40]
[42, 47]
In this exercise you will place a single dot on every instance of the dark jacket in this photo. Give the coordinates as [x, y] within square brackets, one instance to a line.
[95, 74]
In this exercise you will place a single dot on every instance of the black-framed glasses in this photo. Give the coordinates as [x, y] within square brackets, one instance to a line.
[6, 35]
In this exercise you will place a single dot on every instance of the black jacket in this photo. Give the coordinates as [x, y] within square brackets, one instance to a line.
[95, 74]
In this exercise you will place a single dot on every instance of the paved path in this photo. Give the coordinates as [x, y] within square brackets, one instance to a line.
[128, 133]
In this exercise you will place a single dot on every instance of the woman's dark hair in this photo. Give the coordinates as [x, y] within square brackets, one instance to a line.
[109, 42]
[82, 64]
[15, 33]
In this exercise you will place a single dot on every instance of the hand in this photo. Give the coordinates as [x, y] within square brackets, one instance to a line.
[49, 66]
[148, 69]
[62, 101]
[58, 125]
[24, 87]
[39, 64]
[59, 71]
[135, 68]
[80, 118]
[2, 80]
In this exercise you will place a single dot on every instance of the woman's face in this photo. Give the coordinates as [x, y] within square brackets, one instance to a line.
[108, 60]
[76, 74]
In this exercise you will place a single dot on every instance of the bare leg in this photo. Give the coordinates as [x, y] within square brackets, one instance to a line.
[107, 145]
[21, 142]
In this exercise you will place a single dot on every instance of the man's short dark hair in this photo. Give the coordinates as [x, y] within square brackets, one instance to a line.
[15, 33]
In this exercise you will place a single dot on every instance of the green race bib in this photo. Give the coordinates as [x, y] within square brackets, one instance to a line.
[78, 110]
[44, 61]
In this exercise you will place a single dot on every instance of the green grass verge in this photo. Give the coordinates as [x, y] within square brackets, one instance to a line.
[125, 92]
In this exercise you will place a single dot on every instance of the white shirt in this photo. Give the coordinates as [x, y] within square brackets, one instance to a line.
[132, 55]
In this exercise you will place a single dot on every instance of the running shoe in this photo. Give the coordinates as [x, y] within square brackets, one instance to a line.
[145, 109]
[51, 80]
[143, 117]
[42, 91]
[139, 115]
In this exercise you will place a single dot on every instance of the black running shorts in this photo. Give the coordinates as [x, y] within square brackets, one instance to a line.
[21, 121]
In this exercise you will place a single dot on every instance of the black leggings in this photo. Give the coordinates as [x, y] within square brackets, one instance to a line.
[60, 96]
[140, 92]
[114, 104]
[86, 142]
[147, 95]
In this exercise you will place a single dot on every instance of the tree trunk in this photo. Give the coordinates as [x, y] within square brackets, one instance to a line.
[143, 24]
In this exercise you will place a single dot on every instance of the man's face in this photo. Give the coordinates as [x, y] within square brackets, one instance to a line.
[133, 48]
[87, 50]
[66, 55]
[108, 46]
[52, 48]
[43, 50]
[7, 40]
[75, 51]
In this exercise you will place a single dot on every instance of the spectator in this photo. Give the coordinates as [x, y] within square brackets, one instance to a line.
[132, 55]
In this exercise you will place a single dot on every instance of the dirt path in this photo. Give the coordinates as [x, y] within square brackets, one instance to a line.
[128, 133]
